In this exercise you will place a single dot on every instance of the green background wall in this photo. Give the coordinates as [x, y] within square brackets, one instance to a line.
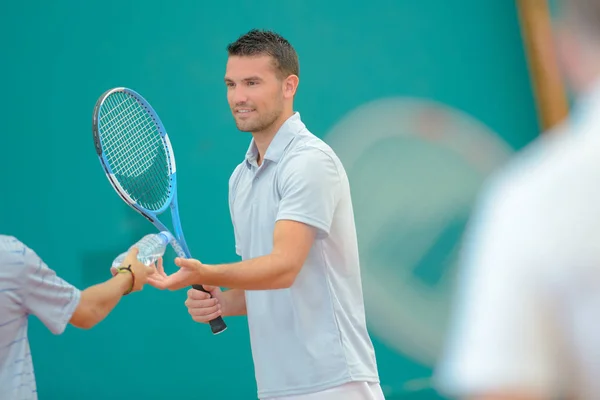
[460, 64]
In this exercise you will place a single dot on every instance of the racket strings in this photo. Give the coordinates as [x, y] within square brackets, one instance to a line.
[135, 150]
[146, 148]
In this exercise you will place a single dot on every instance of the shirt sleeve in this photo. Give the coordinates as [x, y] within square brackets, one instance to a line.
[233, 179]
[46, 295]
[309, 186]
[500, 338]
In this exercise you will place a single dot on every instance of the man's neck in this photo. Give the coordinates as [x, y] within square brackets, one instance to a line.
[263, 139]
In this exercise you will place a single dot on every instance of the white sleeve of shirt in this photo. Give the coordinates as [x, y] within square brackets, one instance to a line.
[46, 295]
[500, 338]
[309, 185]
[233, 179]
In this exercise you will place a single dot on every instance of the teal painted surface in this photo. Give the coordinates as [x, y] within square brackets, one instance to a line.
[60, 56]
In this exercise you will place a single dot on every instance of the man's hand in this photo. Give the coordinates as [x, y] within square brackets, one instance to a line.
[141, 271]
[189, 273]
[202, 307]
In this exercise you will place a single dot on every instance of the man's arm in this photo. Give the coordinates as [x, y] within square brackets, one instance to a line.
[99, 300]
[291, 244]
[234, 303]
[57, 303]
[292, 241]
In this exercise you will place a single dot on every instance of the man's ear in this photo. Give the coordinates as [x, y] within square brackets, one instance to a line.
[290, 84]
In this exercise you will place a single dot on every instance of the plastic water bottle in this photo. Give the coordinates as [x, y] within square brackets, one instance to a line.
[150, 247]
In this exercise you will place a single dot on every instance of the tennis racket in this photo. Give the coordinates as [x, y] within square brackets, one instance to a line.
[136, 155]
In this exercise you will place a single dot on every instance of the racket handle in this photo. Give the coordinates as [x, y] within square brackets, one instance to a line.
[217, 325]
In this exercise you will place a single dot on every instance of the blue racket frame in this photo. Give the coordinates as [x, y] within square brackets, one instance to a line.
[180, 246]
[178, 243]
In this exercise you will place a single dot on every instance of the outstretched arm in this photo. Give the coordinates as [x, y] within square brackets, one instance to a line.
[292, 241]
[99, 300]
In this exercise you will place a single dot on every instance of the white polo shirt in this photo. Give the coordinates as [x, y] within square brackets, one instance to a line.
[527, 314]
[27, 286]
[313, 335]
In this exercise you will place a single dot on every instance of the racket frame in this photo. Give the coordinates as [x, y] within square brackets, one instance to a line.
[178, 243]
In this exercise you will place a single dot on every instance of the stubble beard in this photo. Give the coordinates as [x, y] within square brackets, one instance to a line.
[262, 123]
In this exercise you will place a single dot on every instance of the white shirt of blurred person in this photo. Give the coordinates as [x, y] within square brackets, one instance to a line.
[29, 287]
[299, 279]
[527, 317]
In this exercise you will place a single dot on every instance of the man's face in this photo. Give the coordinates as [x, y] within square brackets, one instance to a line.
[254, 92]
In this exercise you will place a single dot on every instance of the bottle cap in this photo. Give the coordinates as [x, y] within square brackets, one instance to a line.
[166, 236]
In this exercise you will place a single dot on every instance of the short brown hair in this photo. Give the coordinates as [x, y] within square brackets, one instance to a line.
[262, 42]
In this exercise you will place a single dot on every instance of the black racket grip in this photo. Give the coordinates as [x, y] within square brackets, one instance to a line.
[217, 325]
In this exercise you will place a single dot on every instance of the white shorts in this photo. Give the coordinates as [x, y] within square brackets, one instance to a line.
[347, 391]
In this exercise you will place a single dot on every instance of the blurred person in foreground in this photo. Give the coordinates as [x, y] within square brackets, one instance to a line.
[527, 317]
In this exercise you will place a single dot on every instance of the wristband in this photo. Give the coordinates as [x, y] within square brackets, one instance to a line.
[121, 270]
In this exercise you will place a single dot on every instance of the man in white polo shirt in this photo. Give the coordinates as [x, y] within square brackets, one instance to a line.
[527, 322]
[299, 281]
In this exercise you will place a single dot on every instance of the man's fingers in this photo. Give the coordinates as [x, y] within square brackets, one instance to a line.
[197, 295]
[206, 318]
[199, 312]
[186, 262]
[189, 303]
[157, 283]
[160, 282]
[160, 267]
